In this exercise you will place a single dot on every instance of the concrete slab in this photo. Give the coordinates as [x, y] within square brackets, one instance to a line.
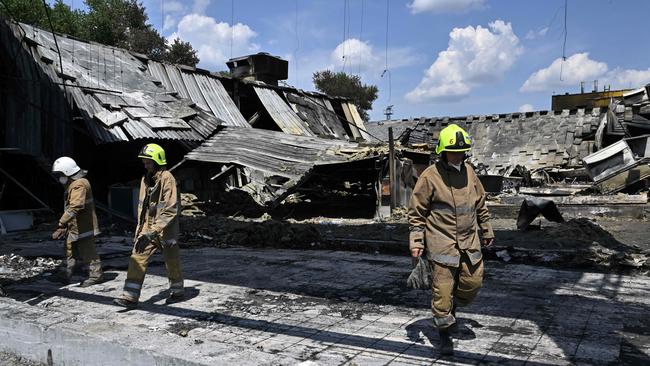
[271, 306]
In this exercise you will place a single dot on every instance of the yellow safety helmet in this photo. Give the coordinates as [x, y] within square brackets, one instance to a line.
[453, 138]
[153, 152]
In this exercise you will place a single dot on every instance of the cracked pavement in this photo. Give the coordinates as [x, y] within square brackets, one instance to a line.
[276, 306]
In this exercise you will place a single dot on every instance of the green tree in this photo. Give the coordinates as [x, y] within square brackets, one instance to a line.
[65, 20]
[182, 53]
[26, 11]
[118, 23]
[123, 23]
[341, 84]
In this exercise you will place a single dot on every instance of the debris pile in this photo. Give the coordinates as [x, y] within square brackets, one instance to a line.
[15, 267]
[218, 230]
[579, 242]
[190, 205]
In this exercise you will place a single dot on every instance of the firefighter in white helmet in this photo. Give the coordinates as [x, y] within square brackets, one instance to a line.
[78, 222]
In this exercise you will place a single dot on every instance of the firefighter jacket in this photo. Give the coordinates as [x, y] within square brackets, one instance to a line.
[159, 207]
[447, 214]
[79, 211]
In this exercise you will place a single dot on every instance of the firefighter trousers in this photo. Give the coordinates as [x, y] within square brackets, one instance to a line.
[454, 286]
[82, 252]
[138, 268]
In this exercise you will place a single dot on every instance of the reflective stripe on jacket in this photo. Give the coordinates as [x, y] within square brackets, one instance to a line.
[162, 208]
[79, 211]
[446, 213]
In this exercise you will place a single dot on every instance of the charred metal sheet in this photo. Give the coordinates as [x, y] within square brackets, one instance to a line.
[356, 119]
[321, 120]
[157, 70]
[219, 101]
[176, 80]
[112, 89]
[157, 123]
[204, 124]
[620, 165]
[279, 110]
[195, 93]
[277, 162]
[609, 160]
[109, 119]
[205, 90]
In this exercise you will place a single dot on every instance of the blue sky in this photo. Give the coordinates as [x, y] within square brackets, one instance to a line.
[445, 57]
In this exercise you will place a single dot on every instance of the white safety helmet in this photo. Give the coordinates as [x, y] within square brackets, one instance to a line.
[65, 165]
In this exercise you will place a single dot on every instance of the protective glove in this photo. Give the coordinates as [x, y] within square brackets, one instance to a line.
[144, 240]
[59, 233]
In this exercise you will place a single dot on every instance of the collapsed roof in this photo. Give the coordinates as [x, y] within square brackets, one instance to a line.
[115, 95]
[277, 164]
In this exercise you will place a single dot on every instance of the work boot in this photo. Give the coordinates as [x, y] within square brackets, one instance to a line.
[90, 281]
[174, 298]
[95, 275]
[129, 305]
[446, 344]
[62, 276]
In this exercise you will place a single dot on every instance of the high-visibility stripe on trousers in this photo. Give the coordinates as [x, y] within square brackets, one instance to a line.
[138, 268]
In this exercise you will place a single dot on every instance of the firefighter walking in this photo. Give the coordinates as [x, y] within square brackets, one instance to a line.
[449, 221]
[78, 224]
[157, 228]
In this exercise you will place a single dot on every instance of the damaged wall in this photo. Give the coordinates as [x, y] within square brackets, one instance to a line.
[500, 142]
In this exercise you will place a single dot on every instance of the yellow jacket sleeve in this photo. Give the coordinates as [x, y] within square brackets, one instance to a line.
[419, 210]
[76, 203]
[167, 209]
[483, 216]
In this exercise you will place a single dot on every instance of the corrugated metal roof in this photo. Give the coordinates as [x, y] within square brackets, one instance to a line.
[205, 90]
[321, 120]
[279, 110]
[104, 79]
[272, 152]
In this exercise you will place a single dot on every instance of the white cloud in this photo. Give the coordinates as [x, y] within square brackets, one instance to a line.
[170, 22]
[445, 6]
[352, 53]
[475, 56]
[357, 55]
[579, 67]
[526, 108]
[537, 34]
[622, 78]
[200, 6]
[173, 7]
[212, 39]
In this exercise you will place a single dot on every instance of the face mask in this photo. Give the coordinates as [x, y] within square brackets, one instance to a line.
[63, 180]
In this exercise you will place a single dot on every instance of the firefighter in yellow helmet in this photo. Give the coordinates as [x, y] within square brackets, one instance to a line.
[448, 222]
[157, 228]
